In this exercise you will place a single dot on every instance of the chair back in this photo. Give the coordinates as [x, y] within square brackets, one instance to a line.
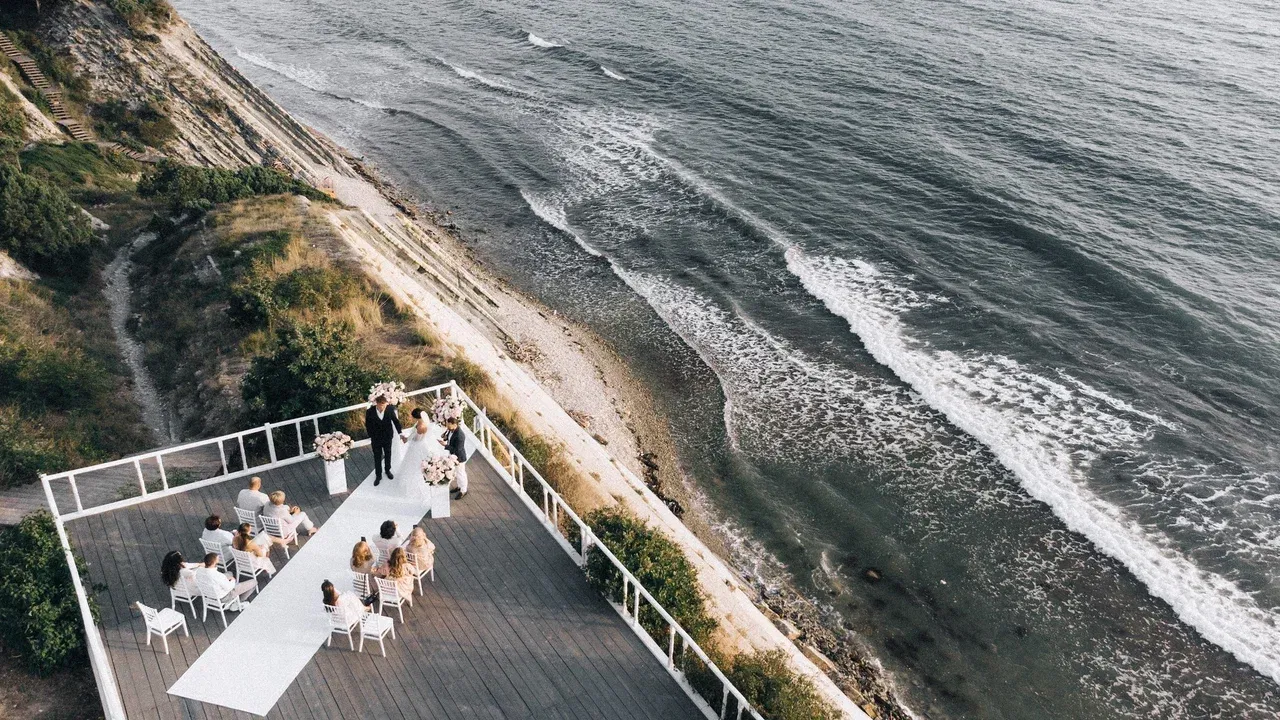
[245, 564]
[272, 526]
[420, 562]
[149, 614]
[374, 625]
[388, 590]
[377, 555]
[247, 516]
[338, 619]
[213, 547]
[208, 592]
[183, 590]
[360, 582]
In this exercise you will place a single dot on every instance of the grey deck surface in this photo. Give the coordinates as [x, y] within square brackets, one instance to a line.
[509, 629]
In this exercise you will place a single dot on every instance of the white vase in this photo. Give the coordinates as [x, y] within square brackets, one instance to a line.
[335, 476]
[439, 497]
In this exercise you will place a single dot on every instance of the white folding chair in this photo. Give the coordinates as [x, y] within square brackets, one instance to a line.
[248, 516]
[278, 530]
[165, 622]
[246, 567]
[221, 550]
[338, 623]
[212, 601]
[422, 571]
[378, 557]
[183, 591]
[376, 627]
[389, 594]
[360, 583]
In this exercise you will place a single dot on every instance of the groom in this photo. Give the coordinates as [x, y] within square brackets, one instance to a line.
[382, 425]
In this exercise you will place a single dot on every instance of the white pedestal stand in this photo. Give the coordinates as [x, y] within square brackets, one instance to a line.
[335, 476]
[439, 497]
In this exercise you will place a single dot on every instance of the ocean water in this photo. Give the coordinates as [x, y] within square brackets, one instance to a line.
[982, 295]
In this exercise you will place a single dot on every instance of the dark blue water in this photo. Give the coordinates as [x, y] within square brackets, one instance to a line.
[982, 295]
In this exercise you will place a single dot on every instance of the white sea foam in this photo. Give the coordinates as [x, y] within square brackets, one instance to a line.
[1044, 431]
[554, 216]
[308, 77]
[613, 74]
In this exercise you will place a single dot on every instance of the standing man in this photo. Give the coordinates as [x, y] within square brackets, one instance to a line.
[382, 425]
[455, 443]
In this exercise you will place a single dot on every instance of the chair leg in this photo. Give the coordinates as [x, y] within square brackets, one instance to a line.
[393, 631]
[148, 637]
[382, 645]
[185, 631]
[361, 643]
[433, 574]
[329, 642]
[351, 640]
[204, 617]
[400, 609]
[165, 639]
[223, 613]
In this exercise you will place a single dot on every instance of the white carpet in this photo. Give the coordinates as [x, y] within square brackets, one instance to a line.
[286, 623]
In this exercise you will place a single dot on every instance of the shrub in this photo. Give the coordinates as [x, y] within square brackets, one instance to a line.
[259, 298]
[13, 126]
[197, 189]
[39, 615]
[659, 565]
[137, 13]
[39, 224]
[143, 123]
[76, 167]
[23, 453]
[775, 690]
[315, 366]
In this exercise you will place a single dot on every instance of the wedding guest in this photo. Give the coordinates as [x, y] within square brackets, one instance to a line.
[252, 498]
[389, 538]
[245, 543]
[422, 550]
[225, 585]
[399, 569]
[454, 441]
[173, 568]
[362, 559]
[347, 603]
[290, 516]
[214, 533]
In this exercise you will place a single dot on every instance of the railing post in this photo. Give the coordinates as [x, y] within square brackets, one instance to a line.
[244, 456]
[298, 427]
[164, 479]
[586, 544]
[271, 442]
[724, 699]
[142, 481]
[75, 491]
[222, 453]
[635, 618]
[671, 646]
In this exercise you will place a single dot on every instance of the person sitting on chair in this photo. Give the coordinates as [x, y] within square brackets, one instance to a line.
[245, 543]
[389, 538]
[291, 517]
[423, 550]
[173, 568]
[347, 603]
[399, 569]
[225, 585]
[362, 559]
[214, 533]
[252, 498]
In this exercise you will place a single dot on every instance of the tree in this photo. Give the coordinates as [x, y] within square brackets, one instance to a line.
[39, 224]
[315, 366]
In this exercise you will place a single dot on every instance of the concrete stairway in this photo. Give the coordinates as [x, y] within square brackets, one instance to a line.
[53, 95]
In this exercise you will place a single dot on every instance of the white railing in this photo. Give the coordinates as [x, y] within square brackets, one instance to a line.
[552, 512]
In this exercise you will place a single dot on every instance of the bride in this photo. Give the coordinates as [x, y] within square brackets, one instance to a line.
[418, 446]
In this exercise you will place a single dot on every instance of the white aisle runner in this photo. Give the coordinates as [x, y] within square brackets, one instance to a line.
[286, 622]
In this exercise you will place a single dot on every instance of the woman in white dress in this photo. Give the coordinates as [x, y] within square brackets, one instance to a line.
[418, 446]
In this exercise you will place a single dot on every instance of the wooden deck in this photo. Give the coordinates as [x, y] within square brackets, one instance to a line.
[509, 629]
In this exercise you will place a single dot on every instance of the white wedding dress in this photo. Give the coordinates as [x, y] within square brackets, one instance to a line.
[418, 447]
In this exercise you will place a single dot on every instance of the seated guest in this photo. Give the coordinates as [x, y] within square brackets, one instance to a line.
[389, 539]
[252, 498]
[362, 560]
[213, 532]
[291, 517]
[347, 603]
[422, 549]
[173, 568]
[225, 585]
[399, 569]
[245, 543]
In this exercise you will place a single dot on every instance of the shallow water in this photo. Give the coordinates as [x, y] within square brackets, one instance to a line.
[982, 296]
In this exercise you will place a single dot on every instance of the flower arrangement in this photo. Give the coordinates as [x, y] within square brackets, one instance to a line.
[393, 390]
[447, 408]
[439, 469]
[333, 446]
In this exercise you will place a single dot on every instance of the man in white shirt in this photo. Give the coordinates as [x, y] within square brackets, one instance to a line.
[213, 532]
[222, 584]
[252, 497]
[389, 538]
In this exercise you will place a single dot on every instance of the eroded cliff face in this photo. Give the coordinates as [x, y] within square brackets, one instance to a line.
[221, 118]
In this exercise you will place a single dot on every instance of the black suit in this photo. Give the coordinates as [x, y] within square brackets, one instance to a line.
[454, 444]
[381, 433]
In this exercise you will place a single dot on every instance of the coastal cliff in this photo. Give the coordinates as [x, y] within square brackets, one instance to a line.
[221, 120]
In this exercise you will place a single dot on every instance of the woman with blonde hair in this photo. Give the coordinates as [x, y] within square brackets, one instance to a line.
[399, 570]
[421, 551]
[244, 542]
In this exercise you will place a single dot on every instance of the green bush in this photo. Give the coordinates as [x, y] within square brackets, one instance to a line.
[39, 224]
[257, 298]
[315, 366]
[13, 126]
[39, 615]
[138, 124]
[24, 454]
[198, 189]
[136, 13]
[777, 692]
[659, 565]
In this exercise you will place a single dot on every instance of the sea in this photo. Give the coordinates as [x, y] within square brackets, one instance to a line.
[965, 314]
